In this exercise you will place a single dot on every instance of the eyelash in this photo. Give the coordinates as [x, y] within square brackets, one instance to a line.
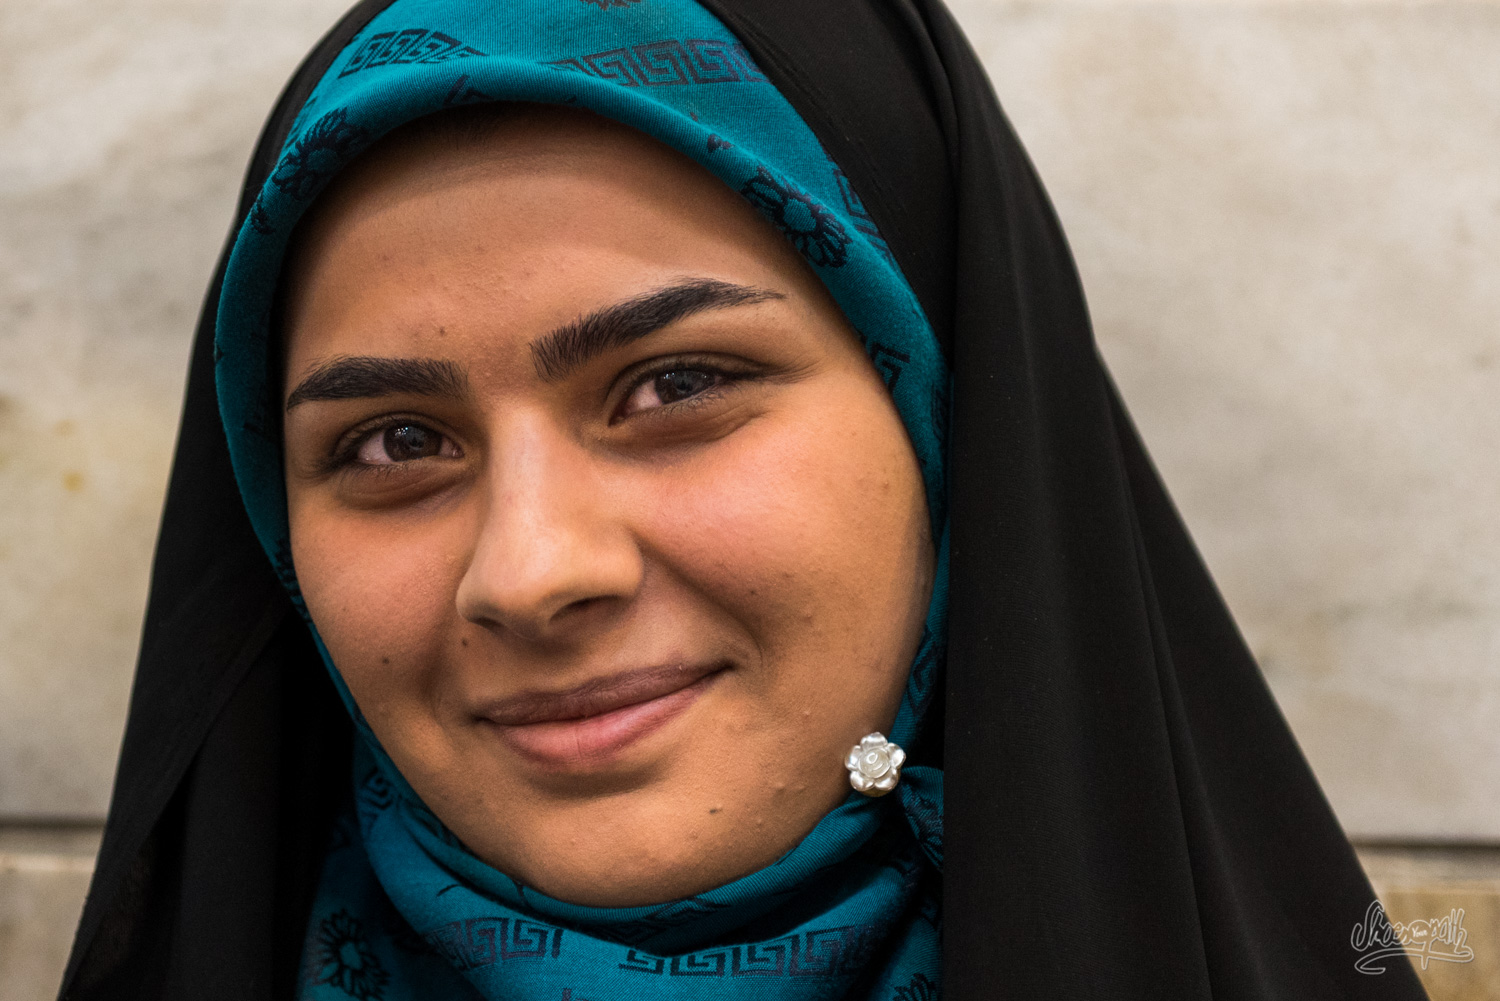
[348, 448]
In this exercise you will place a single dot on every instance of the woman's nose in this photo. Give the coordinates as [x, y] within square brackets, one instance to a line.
[552, 557]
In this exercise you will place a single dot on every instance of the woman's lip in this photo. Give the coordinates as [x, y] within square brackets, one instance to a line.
[599, 718]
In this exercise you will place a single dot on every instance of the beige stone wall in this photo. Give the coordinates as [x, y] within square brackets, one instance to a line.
[124, 129]
[1287, 218]
[1461, 885]
[44, 873]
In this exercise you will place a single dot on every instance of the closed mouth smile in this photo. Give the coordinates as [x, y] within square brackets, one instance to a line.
[592, 723]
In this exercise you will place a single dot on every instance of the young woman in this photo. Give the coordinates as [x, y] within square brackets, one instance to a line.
[650, 521]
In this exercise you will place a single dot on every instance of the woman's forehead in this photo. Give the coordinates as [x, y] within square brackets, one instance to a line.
[511, 140]
[442, 227]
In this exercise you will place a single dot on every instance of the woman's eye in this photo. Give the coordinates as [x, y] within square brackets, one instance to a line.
[672, 386]
[402, 443]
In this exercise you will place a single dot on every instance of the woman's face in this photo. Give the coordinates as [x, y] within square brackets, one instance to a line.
[608, 522]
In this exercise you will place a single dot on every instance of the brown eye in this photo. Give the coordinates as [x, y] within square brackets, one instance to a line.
[403, 443]
[679, 385]
[672, 386]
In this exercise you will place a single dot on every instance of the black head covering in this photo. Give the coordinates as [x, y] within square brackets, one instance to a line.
[1127, 814]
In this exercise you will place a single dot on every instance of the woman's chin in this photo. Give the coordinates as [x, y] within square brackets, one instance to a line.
[634, 841]
[601, 876]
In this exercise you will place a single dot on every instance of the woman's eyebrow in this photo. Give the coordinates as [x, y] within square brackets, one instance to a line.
[571, 345]
[358, 377]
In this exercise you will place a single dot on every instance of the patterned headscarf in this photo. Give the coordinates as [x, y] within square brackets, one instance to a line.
[402, 909]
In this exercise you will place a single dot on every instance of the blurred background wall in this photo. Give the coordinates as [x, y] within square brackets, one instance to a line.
[1287, 218]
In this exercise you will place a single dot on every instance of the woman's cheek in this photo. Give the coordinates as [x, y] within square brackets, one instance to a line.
[788, 526]
[376, 594]
[740, 526]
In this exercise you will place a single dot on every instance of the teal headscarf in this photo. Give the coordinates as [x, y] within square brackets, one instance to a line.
[403, 910]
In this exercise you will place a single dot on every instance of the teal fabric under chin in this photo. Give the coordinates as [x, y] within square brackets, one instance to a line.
[403, 910]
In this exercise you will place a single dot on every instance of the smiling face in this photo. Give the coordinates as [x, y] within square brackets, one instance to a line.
[608, 522]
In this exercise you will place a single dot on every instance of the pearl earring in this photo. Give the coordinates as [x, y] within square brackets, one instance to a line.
[875, 765]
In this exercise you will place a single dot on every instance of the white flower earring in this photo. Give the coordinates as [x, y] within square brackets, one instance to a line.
[875, 765]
